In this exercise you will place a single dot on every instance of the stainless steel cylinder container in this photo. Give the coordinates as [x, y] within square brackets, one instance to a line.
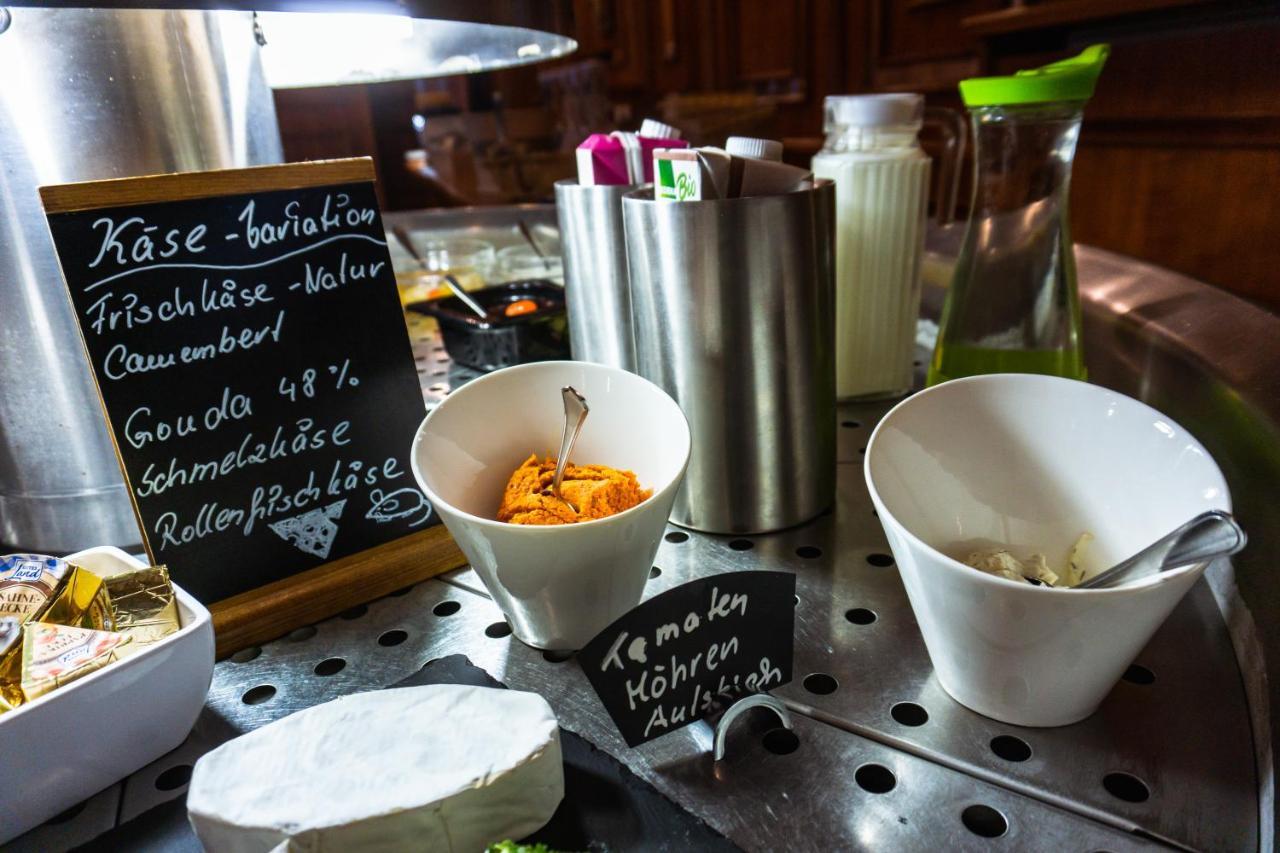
[595, 273]
[88, 94]
[732, 307]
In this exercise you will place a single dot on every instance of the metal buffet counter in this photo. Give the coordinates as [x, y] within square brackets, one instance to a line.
[1179, 755]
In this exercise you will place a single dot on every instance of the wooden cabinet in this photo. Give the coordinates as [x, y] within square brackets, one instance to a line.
[1179, 157]
[1177, 160]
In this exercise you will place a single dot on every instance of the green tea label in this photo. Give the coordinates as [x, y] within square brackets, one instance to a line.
[677, 180]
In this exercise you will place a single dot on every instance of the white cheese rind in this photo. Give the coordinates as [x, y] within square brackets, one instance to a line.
[441, 767]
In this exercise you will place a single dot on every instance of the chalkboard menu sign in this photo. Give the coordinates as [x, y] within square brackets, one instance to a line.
[691, 651]
[250, 351]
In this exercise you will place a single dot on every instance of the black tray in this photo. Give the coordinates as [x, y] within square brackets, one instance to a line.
[498, 341]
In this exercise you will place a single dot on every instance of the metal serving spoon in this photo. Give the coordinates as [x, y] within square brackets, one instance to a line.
[451, 282]
[575, 414]
[1208, 535]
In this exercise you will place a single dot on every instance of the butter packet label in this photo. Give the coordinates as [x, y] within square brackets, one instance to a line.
[677, 176]
[145, 607]
[82, 602]
[28, 582]
[53, 655]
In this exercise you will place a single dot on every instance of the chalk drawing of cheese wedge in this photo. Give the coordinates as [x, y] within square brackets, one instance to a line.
[312, 532]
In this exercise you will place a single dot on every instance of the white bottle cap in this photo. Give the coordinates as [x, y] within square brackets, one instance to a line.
[651, 128]
[757, 149]
[896, 110]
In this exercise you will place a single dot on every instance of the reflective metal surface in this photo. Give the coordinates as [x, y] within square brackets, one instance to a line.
[1184, 736]
[595, 273]
[93, 93]
[832, 790]
[1176, 728]
[732, 311]
[1210, 360]
[336, 48]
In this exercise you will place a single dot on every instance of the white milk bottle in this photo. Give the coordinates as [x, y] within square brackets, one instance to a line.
[882, 189]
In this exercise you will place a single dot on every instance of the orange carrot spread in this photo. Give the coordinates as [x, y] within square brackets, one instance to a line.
[596, 490]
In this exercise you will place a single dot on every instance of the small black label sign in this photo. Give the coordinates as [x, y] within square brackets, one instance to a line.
[692, 650]
[255, 368]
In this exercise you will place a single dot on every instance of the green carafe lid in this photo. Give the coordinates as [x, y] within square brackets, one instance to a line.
[1067, 80]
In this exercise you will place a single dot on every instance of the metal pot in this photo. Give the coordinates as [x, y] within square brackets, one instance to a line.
[90, 94]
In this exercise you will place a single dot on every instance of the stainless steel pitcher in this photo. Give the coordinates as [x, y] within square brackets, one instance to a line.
[595, 273]
[732, 305]
[88, 94]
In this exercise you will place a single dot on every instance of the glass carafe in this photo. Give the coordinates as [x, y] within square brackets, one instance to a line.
[1012, 306]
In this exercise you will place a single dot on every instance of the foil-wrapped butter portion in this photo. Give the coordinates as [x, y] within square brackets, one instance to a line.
[10, 663]
[82, 602]
[146, 609]
[53, 655]
[28, 582]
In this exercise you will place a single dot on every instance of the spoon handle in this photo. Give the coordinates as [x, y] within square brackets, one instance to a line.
[464, 296]
[575, 413]
[1211, 534]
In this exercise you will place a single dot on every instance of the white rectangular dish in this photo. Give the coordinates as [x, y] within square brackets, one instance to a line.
[69, 744]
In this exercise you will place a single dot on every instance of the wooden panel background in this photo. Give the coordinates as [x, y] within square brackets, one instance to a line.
[1180, 146]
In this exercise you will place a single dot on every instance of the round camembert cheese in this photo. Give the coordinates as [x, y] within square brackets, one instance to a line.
[441, 767]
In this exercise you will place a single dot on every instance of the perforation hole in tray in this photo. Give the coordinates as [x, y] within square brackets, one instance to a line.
[393, 637]
[1127, 787]
[984, 821]
[909, 714]
[498, 630]
[258, 695]
[1010, 748]
[446, 608]
[174, 778]
[875, 778]
[780, 741]
[329, 666]
[246, 655]
[1138, 674]
[860, 616]
[820, 683]
[677, 536]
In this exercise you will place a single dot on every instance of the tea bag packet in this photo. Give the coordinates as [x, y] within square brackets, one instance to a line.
[53, 655]
[146, 609]
[10, 663]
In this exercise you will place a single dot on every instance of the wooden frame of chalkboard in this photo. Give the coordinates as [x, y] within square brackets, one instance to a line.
[244, 426]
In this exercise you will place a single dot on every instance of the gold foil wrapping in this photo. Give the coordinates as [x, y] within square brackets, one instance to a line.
[28, 582]
[10, 662]
[59, 622]
[53, 655]
[145, 607]
[81, 601]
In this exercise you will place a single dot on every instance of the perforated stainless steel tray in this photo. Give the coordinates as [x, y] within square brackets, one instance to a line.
[884, 758]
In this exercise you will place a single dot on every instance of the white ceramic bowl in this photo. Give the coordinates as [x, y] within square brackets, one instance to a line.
[68, 745]
[558, 585]
[1033, 461]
